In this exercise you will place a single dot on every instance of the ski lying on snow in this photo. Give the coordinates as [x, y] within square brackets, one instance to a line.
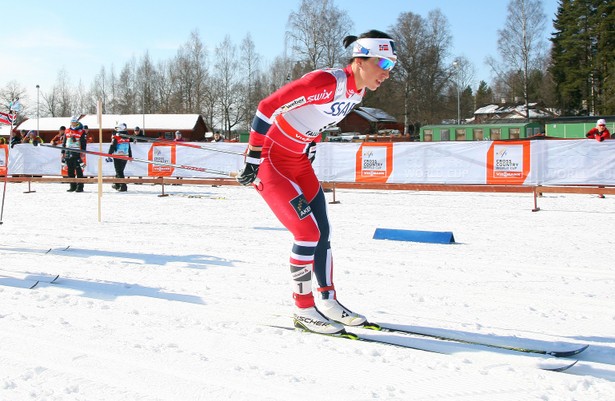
[556, 353]
[57, 249]
[17, 282]
[32, 277]
[550, 364]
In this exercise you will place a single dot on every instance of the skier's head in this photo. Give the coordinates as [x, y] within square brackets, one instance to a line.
[121, 127]
[373, 57]
[75, 124]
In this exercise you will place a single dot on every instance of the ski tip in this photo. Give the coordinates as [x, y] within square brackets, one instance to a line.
[34, 285]
[561, 368]
[563, 354]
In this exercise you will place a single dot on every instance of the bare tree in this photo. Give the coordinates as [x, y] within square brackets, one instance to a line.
[421, 75]
[14, 91]
[251, 88]
[316, 32]
[520, 42]
[228, 108]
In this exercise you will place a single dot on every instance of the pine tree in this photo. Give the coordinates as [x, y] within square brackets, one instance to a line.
[582, 56]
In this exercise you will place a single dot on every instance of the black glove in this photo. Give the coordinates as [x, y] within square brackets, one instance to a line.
[250, 169]
[311, 151]
[81, 163]
[63, 161]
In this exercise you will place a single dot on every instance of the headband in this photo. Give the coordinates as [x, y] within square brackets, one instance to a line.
[375, 47]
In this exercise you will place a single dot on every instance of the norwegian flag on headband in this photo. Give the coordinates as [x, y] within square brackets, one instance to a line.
[7, 118]
[383, 48]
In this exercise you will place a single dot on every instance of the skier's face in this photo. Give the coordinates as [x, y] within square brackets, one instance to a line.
[372, 72]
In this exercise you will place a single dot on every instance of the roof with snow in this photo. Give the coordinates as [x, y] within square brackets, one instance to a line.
[374, 115]
[151, 122]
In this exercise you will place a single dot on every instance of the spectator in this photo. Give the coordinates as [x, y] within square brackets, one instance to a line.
[33, 138]
[120, 145]
[138, 133]
[2, 141]
[88, 137]
[217, 137]
[59, 138]
[178, 137]
[75, 138]
[600, 132]
[16, 137]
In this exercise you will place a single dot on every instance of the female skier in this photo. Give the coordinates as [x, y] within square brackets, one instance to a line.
[279, 153]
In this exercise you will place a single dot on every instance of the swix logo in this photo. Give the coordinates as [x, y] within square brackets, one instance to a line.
[320, 96]
[340, 109]
[291, 105]
[301, 206]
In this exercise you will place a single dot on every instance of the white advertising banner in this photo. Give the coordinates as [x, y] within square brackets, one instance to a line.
[26, 159]
[538, 162]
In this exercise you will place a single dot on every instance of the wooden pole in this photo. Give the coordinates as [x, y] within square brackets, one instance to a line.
[100, 181]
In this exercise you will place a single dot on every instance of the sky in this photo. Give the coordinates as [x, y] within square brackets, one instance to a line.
[42, 38]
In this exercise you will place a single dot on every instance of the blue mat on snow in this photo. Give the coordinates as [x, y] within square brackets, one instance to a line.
[435, 237]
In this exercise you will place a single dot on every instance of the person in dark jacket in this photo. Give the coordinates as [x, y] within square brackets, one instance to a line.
[120, 146]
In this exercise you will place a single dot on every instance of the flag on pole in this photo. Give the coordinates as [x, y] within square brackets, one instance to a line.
[7, 119]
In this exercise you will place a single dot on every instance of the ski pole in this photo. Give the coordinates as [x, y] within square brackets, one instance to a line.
[187, 144]
[231, 174]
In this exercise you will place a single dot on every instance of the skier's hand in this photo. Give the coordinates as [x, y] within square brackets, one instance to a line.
[250, 169]
[63, 161]
[311, 152]
[81, 163]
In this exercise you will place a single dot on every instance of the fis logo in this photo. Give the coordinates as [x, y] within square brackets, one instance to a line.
[301, 206]
[502, 152]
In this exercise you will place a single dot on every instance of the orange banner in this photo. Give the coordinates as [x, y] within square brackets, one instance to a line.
[508, 162]
[4, 159]
[161, 153]
[374, 162]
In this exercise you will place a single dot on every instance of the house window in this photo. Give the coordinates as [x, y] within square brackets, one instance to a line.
[428, 135]
[495, 134]
[445, 135]
[460, 134]
[515, 133]
[478, 134]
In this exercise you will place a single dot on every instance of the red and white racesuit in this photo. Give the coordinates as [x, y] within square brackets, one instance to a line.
[285, 124]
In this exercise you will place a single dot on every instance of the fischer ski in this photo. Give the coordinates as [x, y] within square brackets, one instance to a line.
[33, 277]
[555, 353]
[232, 174]
[549, 364]
[17, 282]
[186, 144]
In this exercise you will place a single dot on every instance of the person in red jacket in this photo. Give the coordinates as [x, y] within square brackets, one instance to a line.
[279, 153]
[600, 132]
[74, 138]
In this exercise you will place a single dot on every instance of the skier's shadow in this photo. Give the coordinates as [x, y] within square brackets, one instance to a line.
[194, 261]
[110, 290]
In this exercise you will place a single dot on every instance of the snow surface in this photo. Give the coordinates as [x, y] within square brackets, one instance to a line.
[169, 298]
